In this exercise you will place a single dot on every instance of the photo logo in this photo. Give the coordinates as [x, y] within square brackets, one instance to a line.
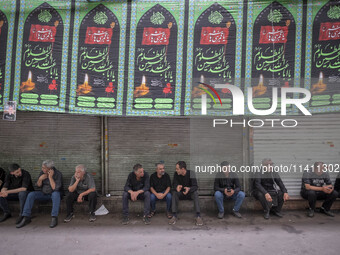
[238, 100]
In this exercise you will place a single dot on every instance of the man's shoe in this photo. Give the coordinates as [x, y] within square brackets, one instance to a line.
[54, 222]
[92, 217]
[69, 218]
[146, 220]
[19, 219]
[25, 220]
[328, 213]
[173, 220]
[199, 221]
[169, 215]
[266, 215]
[278, 214]
[236, 214]
[125, 220]
[310, 212]
[220, 215]
[5, 217]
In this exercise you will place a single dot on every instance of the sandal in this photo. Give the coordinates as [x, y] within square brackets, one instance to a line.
[169, 215]
[152, 214]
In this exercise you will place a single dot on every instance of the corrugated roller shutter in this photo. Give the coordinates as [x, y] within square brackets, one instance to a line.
[145, 141]
[66, 139]
[149, 140]
[316, 138]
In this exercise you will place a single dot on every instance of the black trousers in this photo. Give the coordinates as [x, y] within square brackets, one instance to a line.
[143, 196]
[73, 196]
[261, 197]
[312, 196]
[176, 196]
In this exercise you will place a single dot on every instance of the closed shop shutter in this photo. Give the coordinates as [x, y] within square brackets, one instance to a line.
[66, 139]
[316, 138]
[149, 140]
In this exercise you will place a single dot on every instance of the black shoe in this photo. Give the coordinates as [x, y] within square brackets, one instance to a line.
[146, 220]
[19, 219]
[266, 215]
[328, 213]
[25, 220]
[278, 214]
[54, 222]
[5, 217]
[125, 220]
[69, 217]
[92, 217]
[310, 212]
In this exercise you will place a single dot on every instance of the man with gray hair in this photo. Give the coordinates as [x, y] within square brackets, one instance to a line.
[50, 182]
[82, 187]
[270, 190]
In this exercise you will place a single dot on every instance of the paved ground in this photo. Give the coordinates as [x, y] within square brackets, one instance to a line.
[293, 234]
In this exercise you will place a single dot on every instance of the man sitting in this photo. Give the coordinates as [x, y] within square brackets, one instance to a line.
[82, 187]
[137, 188]
[227, 187]
[316, 185]
[17, 185]
[50, 182]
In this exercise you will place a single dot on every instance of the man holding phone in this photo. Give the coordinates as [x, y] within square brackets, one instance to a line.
[227, 187]
[316, 185]
[50, 182]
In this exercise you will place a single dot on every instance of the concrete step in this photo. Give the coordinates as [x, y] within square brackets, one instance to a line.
[207, 204]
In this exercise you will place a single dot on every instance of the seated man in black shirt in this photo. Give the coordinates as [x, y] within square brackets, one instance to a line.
[267, 192]
[160, 185]
[50, 182]
[18, 184]
[185, 188]
[227, 187]
[316, 184]
[137, 188]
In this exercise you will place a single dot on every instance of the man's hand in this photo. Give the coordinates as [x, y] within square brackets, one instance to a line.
[285, 197]
[179, 188]
[77, 178]
[43, 177]
[134, 195]
[3, 194]
[80, 198]
[327, 189]
[268, 197]
[186, 190]
[160, 196]
[50, 173]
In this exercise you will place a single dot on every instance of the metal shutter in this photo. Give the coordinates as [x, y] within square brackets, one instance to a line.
[316, 138]
[66, 139]
[148, 140]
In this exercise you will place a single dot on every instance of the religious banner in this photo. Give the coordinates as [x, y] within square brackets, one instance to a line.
[273, 50]
[98, 58]
[214, 55]
[322, 76]
[7, 15]
[42, 55]
[155, 64]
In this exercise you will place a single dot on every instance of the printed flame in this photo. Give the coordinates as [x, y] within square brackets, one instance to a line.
[27, 85]
[260, 89]
[320, 86]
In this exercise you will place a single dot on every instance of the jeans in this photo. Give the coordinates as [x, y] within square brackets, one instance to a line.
[176, 196]
[167, 198]
[40, 196]
[312, 196]
[220, 197]
[261, 197]
[21, 196]
[143, 196]
[73, 196]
